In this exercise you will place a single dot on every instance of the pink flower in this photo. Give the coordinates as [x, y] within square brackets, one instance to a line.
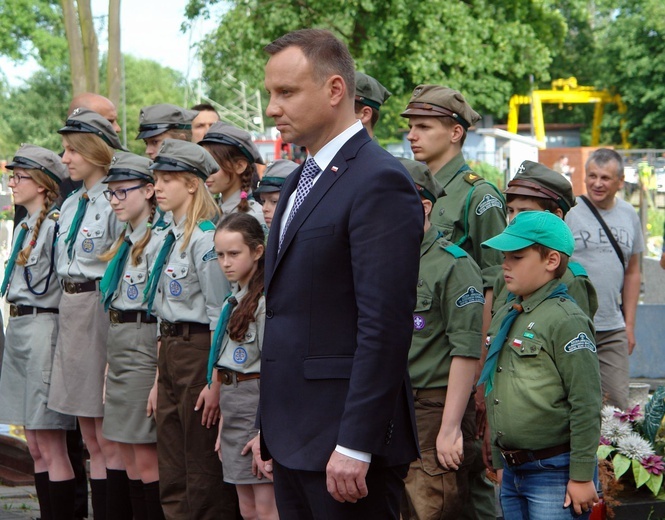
[630, 415]
[653, 464]
[604, 441]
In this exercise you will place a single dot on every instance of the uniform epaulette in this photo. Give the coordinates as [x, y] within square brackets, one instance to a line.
[73, 193]
[577, 269]
[454, 250]
[472, 178]
[54, 216]
[206, 225]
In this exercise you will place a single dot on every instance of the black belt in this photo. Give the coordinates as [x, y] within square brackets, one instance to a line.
[24, 310]
[167, 328]
[227, 377]
[517, 457]
[76, 287]
[117, 316]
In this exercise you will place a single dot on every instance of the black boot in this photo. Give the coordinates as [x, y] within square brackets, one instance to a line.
[77, 458]
[98, 491]
[137, 496]
[153, 504]
[63, 499]
[118, 503]
[43, 495]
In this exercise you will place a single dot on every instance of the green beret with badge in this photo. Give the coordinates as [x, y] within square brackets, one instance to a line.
[157, 119]
[182, 156]
[428, 187]
[438, 101]
[127, 166]
[275, 176]
[32, 157]
[534, 227]
[370, 92]
[224, 133]
[536, 180]
[85, 121]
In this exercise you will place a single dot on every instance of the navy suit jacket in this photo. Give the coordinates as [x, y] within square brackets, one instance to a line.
[340, 296]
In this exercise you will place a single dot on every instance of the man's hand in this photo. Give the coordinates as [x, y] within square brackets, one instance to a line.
[260, 468]
[581, 495]
[630, 333]
[345, 478]
[209, 399]
[151, 407]
[450, 448]
[481, 411]
[487, 449]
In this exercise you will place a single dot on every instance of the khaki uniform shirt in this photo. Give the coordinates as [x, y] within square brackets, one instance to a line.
[486, 214]
[448, 317]
[37, 268]
[546, 388]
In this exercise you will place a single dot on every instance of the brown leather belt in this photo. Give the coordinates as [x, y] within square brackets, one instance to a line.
[227, 377]
[167, 328]
[76, 287]
[518, 457]
[117, 316]
[24, 310]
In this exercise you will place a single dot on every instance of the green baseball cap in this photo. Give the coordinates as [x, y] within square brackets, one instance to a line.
[32, 157]
[438, 101]
[426, 184]
[275, 176]
[182, 156]
[85, 121]
[536, 180]
[157, 119]
[534, 227]
[224, 133]
[369, 91]
[129, 166]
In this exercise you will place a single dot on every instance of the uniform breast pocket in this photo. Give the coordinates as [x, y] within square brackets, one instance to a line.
[133, 283]
[422, 316]
[92, 239]
[245, 352]
[527, 357]
[177, 281]
[37, 266]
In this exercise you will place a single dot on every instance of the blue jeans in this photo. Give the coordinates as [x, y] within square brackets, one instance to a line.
[536, 490]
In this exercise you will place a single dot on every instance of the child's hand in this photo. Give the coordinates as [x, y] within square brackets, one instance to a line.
[581, 495]
[209, 399]
[218, 442]
[260, 468]
[450, 448]
[151, 407]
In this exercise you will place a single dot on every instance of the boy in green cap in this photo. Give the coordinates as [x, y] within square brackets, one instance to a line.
[541, 376]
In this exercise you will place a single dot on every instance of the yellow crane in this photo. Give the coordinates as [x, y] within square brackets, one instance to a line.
[566, 91]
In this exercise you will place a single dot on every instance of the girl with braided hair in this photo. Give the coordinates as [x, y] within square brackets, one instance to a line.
[132, 341]
[32, 289]
[237, 156]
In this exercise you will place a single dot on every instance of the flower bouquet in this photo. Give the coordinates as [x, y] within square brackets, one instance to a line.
[634, 442]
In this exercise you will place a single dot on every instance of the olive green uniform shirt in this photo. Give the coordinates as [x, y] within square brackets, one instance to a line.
[577, 284]
[486, 215]
[448, 317]
[547, 383]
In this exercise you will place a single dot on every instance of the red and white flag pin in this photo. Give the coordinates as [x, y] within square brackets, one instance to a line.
[334, 169]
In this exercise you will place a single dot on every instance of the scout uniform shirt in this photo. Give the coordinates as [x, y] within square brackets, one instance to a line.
[245, 356]
[546, 388]
[99, 229]
[231, 204]
[192, 286]
[577, 284]
[485, 209]
[37, 268]
[448, 314]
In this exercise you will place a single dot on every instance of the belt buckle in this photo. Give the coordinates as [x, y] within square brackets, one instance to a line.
[70, 287]
[167, 328]
[114, 316]
[509, 457]
[13, 311]
[227, 377]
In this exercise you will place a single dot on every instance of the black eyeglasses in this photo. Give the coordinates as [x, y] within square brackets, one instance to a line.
[120, 194]
[17, 177]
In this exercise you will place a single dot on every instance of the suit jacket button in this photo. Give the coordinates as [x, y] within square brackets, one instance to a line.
[269, 313]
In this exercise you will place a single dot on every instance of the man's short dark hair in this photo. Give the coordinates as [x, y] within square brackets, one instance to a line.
[603, 156]
[327, 54]
[205, 107]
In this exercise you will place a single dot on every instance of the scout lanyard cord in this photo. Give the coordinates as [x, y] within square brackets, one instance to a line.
[26, 276]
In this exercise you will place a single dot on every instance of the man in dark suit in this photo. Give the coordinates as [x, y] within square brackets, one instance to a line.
[336, 408]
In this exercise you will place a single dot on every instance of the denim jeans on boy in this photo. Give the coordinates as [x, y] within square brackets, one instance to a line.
[536, 490]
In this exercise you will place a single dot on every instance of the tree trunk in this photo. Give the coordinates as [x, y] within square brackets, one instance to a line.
[114, 67]
[75, 44]
[90, 46]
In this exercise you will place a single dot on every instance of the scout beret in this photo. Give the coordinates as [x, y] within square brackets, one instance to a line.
[426, 184]
[157, 119]
[224, 133]
[534, 227]
[182, 156]
[31, 157]
[438, 101]
[83, 120]
[129, 166]
[275, 175]
[535, 180]
[370, 92]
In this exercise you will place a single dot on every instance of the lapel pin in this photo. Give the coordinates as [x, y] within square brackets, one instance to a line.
[334, 169]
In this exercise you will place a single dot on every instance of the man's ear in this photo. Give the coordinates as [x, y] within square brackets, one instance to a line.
[337, 89]
[458, 133]
[427, 206]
